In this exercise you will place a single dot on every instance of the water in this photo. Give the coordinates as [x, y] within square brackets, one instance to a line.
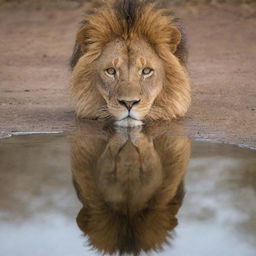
[105, 190]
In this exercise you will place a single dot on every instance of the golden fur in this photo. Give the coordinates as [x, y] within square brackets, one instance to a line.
[130, 35]
[111, 168]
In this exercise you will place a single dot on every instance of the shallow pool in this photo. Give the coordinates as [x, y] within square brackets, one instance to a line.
[138, 191]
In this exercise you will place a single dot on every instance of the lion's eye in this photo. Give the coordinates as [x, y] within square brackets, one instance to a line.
[110, 71]
[147, 71]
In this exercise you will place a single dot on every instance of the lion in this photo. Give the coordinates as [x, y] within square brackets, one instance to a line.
[130, 183]
[129, 64]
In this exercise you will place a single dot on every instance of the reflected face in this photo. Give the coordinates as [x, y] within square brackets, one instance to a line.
[126, 170]
[129, 78]
[131, 186]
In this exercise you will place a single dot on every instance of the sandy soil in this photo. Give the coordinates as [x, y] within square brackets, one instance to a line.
[35, 47]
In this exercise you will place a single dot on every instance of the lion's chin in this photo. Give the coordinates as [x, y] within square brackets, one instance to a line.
[128, 122]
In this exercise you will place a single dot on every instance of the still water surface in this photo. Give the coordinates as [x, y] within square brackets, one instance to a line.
[102, 190]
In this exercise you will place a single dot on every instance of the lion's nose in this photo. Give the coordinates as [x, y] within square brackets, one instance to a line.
[129, 103]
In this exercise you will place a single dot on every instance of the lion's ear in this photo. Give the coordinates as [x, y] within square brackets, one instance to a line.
[82, 219]
[81, 45]
[175, 38]
[83, 39]
[79, 48]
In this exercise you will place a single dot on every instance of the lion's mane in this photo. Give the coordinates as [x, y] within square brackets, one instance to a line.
[128, 19]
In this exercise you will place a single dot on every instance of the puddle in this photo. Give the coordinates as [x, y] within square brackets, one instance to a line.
[102, 190]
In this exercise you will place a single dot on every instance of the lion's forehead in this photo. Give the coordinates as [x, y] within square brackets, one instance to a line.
[128, 53]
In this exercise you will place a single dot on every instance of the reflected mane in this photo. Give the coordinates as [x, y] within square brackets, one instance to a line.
[110, 228]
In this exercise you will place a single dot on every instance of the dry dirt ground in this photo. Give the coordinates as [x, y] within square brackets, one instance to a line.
[35, 46]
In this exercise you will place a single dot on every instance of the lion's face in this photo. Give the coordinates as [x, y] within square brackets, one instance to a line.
[129, 65]
[129, 78]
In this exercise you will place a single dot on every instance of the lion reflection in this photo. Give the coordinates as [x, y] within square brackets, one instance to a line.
[130, 183]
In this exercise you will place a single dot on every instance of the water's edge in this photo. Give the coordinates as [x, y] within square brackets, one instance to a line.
[241, 145]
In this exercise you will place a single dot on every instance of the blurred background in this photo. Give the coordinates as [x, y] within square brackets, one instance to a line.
[36, 41]
[76, 3]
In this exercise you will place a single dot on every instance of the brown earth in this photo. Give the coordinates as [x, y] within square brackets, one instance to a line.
[35, 46]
